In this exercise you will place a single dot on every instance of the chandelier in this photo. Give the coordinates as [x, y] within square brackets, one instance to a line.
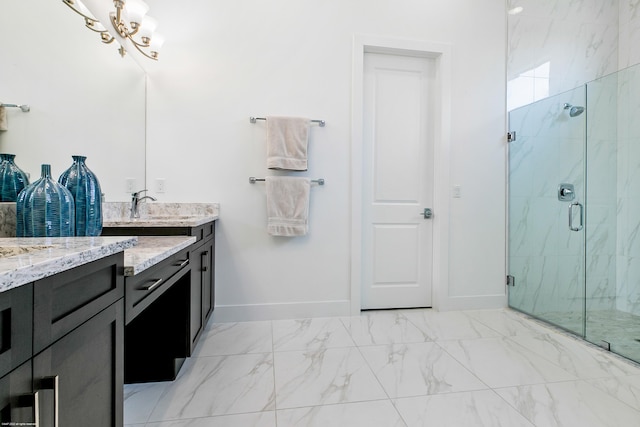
[130, 21]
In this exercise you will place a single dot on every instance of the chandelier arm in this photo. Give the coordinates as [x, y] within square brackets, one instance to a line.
[145, 42]
[106, 37]
[72, 7]
[90, 24]
[153, 55]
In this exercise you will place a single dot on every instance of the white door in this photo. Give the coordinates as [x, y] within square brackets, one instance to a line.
[397, 249]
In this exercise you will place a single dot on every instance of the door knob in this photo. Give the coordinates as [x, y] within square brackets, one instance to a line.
[427, 213]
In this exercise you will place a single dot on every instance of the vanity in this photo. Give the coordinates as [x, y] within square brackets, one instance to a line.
[81, 316]
[169, 276]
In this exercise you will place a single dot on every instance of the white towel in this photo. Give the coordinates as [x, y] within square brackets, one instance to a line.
[287, 141]
[3, 119]
[287, 205]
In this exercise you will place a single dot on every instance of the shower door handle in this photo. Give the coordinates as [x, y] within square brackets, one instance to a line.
[579, 226]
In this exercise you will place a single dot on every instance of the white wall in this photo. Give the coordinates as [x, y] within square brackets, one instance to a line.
[226, 61]
[85, 99]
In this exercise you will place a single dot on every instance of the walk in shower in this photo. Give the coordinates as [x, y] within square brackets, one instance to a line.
[574, 211]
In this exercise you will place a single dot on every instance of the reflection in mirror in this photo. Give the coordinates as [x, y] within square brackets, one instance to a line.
[85, 99]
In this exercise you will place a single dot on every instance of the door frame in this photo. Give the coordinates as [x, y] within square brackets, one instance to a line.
[441, 150]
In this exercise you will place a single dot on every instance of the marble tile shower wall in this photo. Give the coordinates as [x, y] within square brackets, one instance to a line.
[582, 41]
[628, 191]
[545, 258]
[578, 39]
[602, 228]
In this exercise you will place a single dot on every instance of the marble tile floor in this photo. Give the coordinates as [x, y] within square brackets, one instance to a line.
[404, 368]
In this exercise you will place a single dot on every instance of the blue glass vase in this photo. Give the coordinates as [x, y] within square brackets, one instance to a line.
[85, 189]
[12, 178]
[45, 209]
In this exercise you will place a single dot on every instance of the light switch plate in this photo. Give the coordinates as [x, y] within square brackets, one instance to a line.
[161, 185]
[130, 185]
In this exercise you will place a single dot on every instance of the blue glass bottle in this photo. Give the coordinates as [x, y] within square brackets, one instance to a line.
[85, 189]
[45, 209]
[12, 178]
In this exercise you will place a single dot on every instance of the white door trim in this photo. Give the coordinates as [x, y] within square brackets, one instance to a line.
[442, 54]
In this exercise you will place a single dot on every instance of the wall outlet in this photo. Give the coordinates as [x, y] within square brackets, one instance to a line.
[130, 185]
[161, 185]
[457, 191]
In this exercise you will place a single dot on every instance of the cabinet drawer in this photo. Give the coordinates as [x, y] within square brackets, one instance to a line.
[65, 300]
[16, 321]
[203, 232]
[144, 288]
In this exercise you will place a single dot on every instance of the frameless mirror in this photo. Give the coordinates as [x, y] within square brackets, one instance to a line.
[84, 98]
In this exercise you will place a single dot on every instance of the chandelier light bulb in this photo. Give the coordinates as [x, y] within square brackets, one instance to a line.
[82, 8]
[136, 10]
[156, 43]
[147, 27]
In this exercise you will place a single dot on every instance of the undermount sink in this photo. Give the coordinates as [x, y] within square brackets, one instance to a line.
[9, 251]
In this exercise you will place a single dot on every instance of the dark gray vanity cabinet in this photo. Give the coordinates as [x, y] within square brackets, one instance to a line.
[16, 340]
[73, 375]
[157, 304]
[202, 284]
[202, 269]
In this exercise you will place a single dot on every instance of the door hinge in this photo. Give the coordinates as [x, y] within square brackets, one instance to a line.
[605, 344]
[511, 281]
[511, 136]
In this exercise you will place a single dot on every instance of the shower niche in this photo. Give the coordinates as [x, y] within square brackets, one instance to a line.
[574, 211]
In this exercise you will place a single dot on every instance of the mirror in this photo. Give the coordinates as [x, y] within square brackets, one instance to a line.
[85, 99]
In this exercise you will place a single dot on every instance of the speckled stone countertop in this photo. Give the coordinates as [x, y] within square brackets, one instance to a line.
[150, 250]
[158, 214]
[26, 259]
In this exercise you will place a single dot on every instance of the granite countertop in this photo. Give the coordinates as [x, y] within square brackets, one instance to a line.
[150, 250]
[158, 214]
[159, 221]
[26, 259]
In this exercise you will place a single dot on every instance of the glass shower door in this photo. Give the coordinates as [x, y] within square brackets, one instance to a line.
[546, 210]
[613, 189]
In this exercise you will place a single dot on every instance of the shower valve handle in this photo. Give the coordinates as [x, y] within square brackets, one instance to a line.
[566, 192]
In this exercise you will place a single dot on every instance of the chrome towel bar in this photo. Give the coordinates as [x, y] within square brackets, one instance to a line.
[253, 120]
[25, 108]
[253, 180]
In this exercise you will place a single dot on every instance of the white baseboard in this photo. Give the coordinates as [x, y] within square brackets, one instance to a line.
[279, 311]
[482, 302]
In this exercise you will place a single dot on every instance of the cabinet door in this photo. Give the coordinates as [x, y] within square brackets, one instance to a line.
[195, 309]
[16, 398]
[208, 289]
[16, 327]
[79, 379]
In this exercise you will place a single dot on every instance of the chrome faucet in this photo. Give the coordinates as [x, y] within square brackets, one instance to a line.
[135, 201]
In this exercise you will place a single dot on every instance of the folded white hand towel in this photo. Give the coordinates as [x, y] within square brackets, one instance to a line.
[287, 141]
[3, 119]
[287, 205]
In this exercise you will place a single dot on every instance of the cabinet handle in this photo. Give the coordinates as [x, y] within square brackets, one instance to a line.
[48, 383]
[36, 408]
[27, 401]
[183, 263]
[151, 286]
[203, 255]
